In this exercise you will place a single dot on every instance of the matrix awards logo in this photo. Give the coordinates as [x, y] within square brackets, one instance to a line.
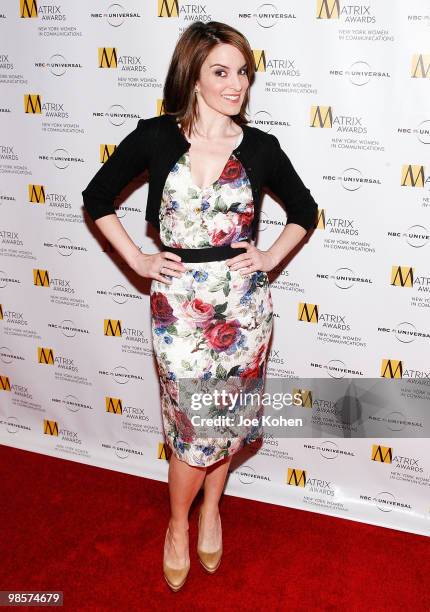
[402, 276]
[391, 368]
[308, 312]
[129, 69]
[50, 428]
[328, 9]
[414, 176]
[160, 110]
[186, 11]
[28, 9]
[4, 383]
[383, 454]
[53, 20]
[106, 151]
[352, 126]
[163, 451]
[36, 194]
[64, 366]
[420, 67]
[32, 104]
[40, 278]
[168, 8]
[113, 405]
[332, 327]
[323, 117]
[287, 78]
[259, 60]
[45, 355]
[418, 284]
[403, 468]
[304, 397]
[343, 234]
[350, 13]
[296, 477]
[107, 57]
[112, 327]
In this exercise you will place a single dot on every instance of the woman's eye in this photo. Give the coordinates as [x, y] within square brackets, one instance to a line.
[221, 72]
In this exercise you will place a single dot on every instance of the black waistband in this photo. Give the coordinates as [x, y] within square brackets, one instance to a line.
[213, 253]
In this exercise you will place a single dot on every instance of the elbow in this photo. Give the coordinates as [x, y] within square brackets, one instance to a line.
[304, 213]
[96, 208]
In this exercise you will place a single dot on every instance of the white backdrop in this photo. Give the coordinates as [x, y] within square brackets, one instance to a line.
[345, 88]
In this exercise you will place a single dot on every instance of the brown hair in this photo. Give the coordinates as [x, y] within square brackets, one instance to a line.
[191, 50]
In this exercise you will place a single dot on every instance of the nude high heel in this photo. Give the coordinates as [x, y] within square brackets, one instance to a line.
[175, 577]
[209, 560]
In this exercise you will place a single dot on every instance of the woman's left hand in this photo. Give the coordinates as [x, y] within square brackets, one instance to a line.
[252, 261]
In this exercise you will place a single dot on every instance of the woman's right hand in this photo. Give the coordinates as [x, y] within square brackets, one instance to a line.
[149, 266]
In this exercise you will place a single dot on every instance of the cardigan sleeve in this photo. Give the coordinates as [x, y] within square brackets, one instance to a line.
[285, 183]
[128, 160]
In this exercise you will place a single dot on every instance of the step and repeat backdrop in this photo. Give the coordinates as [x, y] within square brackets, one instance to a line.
[345, 88]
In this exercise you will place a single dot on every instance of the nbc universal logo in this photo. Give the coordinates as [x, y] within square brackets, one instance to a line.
[331, 327]
[268, 15]
[129, 68]
[135, 341]
[116, 14]
[360, 73]
[352, 126]
[351, 179]
[116, 115]
[281, 70]
[185, 12]
[363, 16]
[417, 285]
[57, 64]
[344, 234]
[51, 19]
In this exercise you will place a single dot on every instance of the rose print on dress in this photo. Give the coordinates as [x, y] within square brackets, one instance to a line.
[212, 323]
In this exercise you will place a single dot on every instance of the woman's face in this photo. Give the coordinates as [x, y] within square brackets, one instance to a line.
[223, 79]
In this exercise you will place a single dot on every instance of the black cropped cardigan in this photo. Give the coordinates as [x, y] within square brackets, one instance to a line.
[157, 143]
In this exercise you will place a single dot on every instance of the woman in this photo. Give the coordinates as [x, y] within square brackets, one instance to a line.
[210, 298]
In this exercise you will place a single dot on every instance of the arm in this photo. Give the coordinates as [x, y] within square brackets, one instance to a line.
[129, 159]
[284, 182]
[301, 208]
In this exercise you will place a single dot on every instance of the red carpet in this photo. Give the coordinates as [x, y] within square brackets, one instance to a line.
[97, 535]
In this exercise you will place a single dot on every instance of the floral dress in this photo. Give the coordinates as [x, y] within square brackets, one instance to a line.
[212, 322]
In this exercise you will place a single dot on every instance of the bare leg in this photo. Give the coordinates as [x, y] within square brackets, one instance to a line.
[213, 487]
[184, 483]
